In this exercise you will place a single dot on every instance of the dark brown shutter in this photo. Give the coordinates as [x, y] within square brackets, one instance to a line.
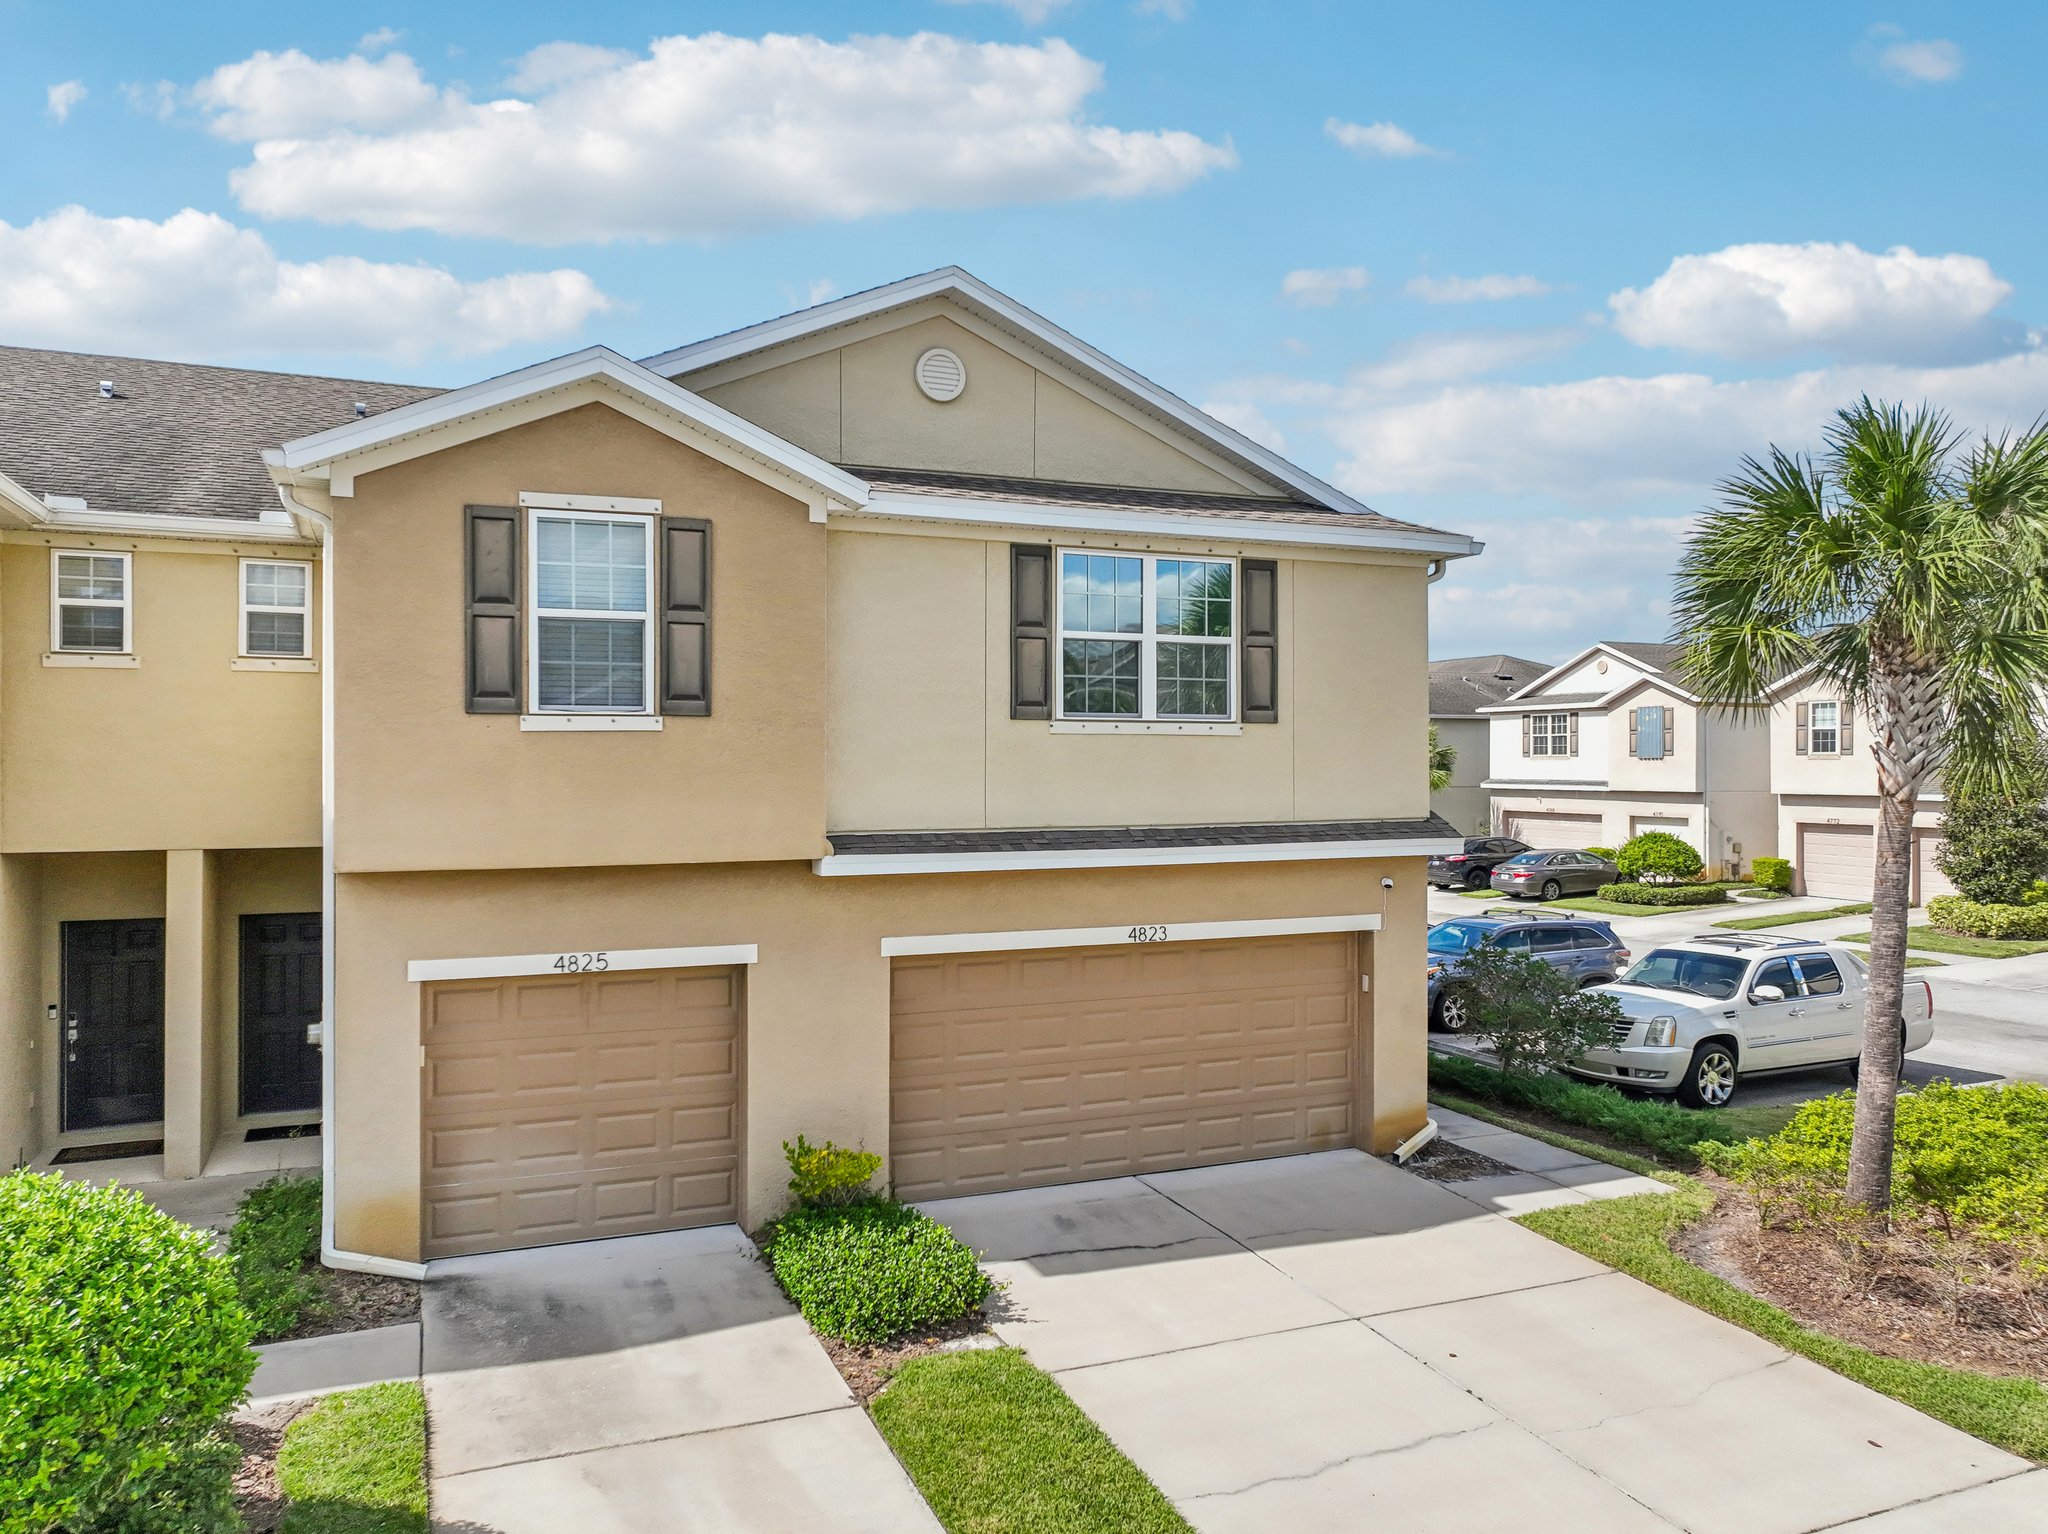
[1635, 724]
[1845, 736]
[1030, 631]
[1670, 728]
[1259, 643]
[490, 561]
[685, 616]
[1572, 726]
[1526, 729]
[1799, 730]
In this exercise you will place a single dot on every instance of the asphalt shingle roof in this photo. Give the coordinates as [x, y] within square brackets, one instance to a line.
[176, 438]
[1131, 838]
[1467, 684]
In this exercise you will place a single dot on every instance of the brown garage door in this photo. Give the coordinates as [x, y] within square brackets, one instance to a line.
[1549, 831]
[564, 1108]
[1017, 1069]
[1836, 860]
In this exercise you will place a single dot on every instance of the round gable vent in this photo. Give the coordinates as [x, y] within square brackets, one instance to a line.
[941, 375]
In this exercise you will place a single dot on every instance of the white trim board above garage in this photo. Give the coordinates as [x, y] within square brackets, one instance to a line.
[1106, 937]
[580, 961]
[856, 863]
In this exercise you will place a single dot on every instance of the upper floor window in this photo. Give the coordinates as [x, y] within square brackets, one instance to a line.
[91, 595]
[277, 608]
[1550, 734]
[1650, 731]
[1824, 733]
[592, 640]
[1146, 637]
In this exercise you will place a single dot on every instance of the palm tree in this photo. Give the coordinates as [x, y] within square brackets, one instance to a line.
[1441, 760]
[1908, 571]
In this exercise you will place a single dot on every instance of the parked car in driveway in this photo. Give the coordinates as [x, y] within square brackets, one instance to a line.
[1583, 947]
[1548, 875]
[1469, 869]
[1702, 1014]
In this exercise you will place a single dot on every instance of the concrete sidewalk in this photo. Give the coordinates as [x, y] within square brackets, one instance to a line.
[1327, 1343]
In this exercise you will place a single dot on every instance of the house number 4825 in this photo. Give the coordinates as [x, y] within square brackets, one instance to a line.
[576, 963]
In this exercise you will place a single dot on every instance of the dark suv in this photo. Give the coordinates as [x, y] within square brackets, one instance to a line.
[1584, 947]
[1469, 869]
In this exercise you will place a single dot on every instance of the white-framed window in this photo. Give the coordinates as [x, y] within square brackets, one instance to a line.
[590, 637]
[277, 608]
[1824, 736]
[1146, 636]
[91, 599]
[1550, 734]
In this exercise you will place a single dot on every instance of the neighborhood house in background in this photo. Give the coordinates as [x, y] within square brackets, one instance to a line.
[1458, 689]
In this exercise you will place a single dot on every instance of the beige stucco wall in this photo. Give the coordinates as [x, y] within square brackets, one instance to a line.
[1851, 773]
[859, 403]
[182, 750]
[22, 1032]
[422, 784]
[817, 1053]
[1465, 804]
[921, 735]
[1678, 772]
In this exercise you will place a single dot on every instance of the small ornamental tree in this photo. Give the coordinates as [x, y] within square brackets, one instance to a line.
[1531, 1014]
[1995, 841]
[1658, 855]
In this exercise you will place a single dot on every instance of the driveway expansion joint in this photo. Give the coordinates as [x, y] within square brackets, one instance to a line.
[634, 1443]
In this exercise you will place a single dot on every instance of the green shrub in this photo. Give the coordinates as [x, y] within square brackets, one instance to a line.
[1530, 1013]
[1772, 874]
[1665, 894]
[1600, 852]
[867, 1271]
[1971, 918]
[275, 1249]
[1660, 1127]
[122, 1349]
[1658, 855]
[1995, 843]
[828, 1173]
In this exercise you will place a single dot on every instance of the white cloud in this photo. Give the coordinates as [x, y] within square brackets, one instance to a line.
[1909, 61]
[1319, 287]
[700, 137]
[1379, 141]
[1475, 290]
[195, 285]
[1775, 300]
[1033, 13]
[153, 98]
[1430, 361]
[380, 39]
[62, 97]
[1538, 593]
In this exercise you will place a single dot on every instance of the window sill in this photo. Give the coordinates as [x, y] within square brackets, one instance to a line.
[275, 663]
[611, 722]
[104, 660]
[1147, 727]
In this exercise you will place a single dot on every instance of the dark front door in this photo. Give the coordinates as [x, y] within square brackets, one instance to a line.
[280, 1000]
[113, 1005]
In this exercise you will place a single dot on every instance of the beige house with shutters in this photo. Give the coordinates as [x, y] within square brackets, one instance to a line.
[897, 722]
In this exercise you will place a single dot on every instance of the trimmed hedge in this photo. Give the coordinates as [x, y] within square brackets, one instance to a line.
[1659, 853]
[1772, 874]
[1657, 1126]
[868, 1271]
[122, 1349]
[1975, 918]
[1665, 894]
[275, 1249]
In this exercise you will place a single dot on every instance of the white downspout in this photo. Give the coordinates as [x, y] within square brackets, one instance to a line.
[330, 1254]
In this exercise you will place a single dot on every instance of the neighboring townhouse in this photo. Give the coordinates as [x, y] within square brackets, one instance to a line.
[1458, 689]
[1826, 782]
[897, 722]
[1613, 743]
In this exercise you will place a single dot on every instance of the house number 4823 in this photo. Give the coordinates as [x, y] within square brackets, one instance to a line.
[576, 963]
[1148, 934]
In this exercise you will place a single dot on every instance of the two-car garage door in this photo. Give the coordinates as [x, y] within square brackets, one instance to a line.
[1053, 1065]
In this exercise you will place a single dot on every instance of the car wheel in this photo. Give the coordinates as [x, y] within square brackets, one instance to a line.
[1453, 1011]
[1710, 1079]
[1856, 1065]
[1476, 880]
[1552, 889]
[1588, 983]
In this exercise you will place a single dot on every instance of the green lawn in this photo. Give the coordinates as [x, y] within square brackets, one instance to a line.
[1751, 923]
[1633, 1234]
[996, 1447]
[357, 1464]
[1930, 940]
[1601, 907]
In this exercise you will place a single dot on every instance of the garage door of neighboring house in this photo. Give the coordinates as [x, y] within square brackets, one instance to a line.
[563, 1108]
[1928, 881]
[1836, 860]
[1547, 830]
[1675, 825]
[1011, 1070]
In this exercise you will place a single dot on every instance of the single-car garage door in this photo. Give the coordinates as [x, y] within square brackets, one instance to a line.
[1836, 860]
[1547, 831]
[1671, 825]
[569, 1107]
[1011, 1070]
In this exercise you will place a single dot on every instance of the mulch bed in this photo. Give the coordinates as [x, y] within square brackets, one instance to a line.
[1446, 1161]
[259, 1434]
[355, 1302]
[868, 1368]
[1901, 1312]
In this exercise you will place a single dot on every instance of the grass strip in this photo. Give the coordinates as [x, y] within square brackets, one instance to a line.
[357, 1464]
[1753, 923]
[1933, 940]
[1634, 1235]
[996, 1447]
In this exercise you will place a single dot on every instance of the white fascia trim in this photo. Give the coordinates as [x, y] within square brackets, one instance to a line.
[937, 508]
[270, 529]
[842, 865]
[16, 497]
[1107, 937]
[1551, 786]
[545, 500]
[615, 959]
[307, 454]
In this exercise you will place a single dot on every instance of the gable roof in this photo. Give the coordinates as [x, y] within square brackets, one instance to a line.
[1460, 687]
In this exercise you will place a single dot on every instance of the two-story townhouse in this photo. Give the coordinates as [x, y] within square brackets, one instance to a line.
[1613, 743]
[897, 722]
[1458, 689]
[1826, 788]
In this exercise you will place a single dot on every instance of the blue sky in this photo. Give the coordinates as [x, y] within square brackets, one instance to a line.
[1542, 274]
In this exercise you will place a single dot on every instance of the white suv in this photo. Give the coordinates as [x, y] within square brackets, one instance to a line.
[1703, 1013]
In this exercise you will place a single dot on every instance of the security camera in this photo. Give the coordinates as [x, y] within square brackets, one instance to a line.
[1386, 884]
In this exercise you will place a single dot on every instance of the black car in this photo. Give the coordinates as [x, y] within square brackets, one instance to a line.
[1548, 875]
[1469, 869]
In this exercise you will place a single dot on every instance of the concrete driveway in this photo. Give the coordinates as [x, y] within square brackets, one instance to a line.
[1329, 1343]
[646, 1383]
